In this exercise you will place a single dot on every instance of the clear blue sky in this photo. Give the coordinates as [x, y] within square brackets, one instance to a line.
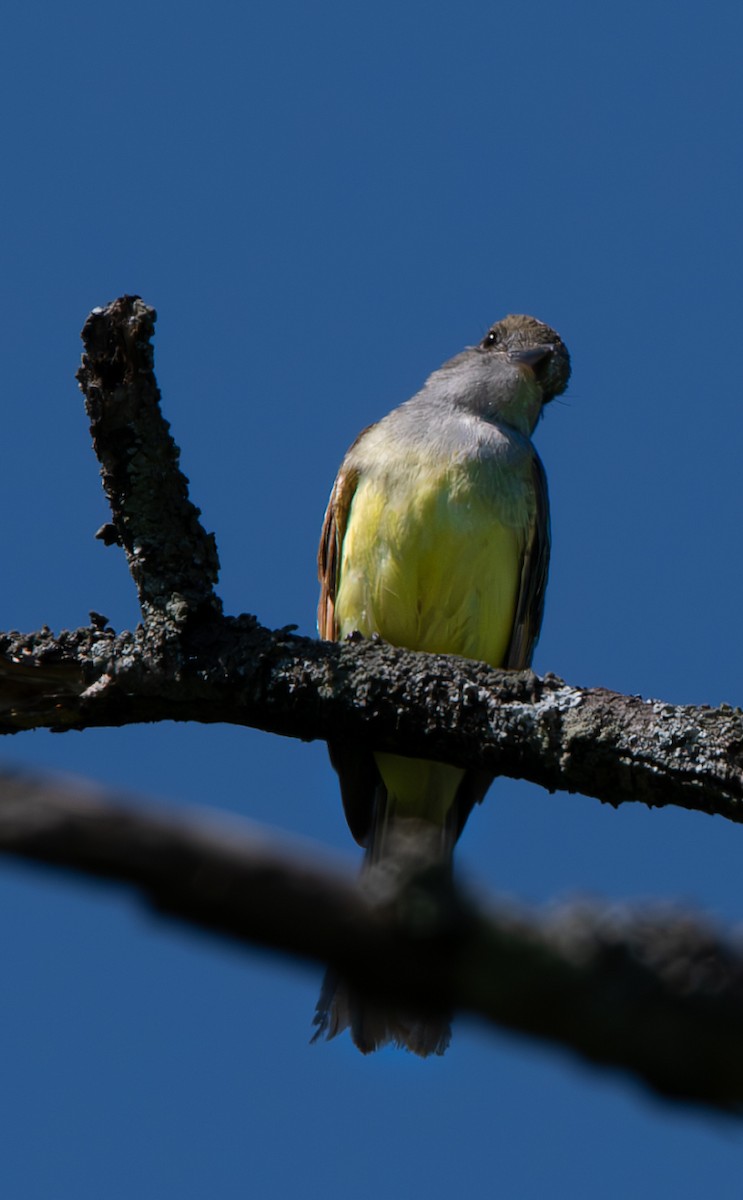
[325, 201]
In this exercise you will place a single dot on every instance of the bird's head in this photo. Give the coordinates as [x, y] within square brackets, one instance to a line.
[525, 340]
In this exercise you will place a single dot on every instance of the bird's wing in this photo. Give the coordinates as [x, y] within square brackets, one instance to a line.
[331, 543]
[356, 769]
[530, 600]
[526, 626]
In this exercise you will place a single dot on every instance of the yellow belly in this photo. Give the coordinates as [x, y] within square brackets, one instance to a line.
[428, 565]
[429, 570]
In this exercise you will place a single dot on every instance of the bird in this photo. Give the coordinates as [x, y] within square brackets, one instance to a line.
[436, 538]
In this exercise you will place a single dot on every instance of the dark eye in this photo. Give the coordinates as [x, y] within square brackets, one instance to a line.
[491, 339]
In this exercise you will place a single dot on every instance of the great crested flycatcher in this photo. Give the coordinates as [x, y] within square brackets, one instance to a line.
[436, 537]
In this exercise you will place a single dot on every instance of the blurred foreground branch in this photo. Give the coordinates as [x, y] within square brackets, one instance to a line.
[658, 994]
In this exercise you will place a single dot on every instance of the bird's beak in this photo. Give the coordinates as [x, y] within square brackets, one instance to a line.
[532, 355]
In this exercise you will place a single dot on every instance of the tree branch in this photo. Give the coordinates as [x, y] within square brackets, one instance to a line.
[172, 560]
[658, 995]
[599, 743]
[191, 663]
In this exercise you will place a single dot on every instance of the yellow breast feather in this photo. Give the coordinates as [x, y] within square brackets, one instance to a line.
[428, 565]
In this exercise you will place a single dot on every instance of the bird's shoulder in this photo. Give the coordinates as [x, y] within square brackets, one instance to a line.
[423, 431]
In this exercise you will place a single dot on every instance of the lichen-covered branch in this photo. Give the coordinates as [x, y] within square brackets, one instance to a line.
[599, 743]
[172, 560]
[189, 662]
[659, 995]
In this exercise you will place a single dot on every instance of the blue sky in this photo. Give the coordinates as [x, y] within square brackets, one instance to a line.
[324, 202]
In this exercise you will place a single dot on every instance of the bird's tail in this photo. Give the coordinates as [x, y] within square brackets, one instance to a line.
[408, 859]
[372, 1026]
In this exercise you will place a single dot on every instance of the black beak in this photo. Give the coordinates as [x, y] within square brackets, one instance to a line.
[531, 356]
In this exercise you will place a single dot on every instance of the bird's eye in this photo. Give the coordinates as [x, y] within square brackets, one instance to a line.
[490, 339]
